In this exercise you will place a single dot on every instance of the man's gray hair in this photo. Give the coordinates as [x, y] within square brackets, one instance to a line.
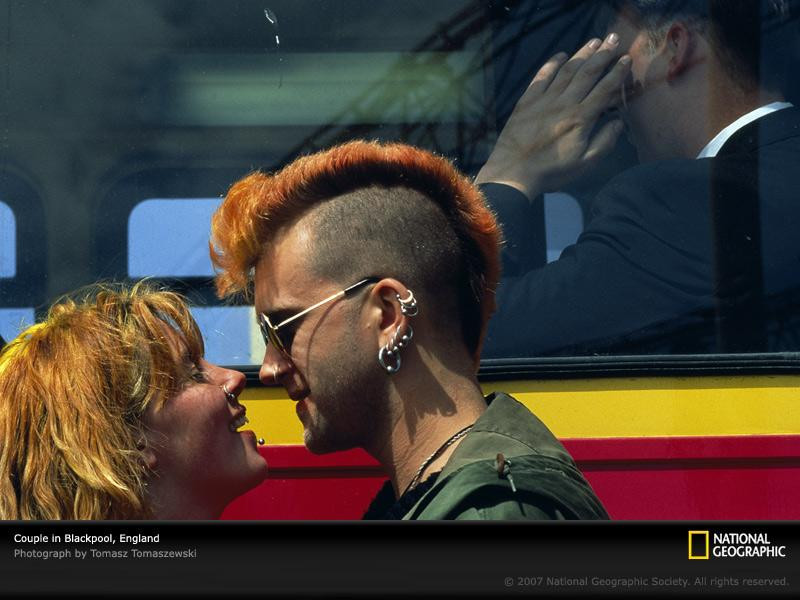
[747, 35]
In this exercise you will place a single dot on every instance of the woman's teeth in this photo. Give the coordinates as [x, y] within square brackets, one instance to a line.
[239, 421]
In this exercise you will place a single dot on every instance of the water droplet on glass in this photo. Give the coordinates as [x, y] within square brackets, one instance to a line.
[272, 19]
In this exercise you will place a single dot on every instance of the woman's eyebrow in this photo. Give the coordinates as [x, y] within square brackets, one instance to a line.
[186, 359]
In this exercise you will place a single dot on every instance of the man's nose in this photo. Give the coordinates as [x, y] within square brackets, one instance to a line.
[274, 366]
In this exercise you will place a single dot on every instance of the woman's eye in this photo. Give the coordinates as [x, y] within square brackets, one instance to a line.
[197, 375]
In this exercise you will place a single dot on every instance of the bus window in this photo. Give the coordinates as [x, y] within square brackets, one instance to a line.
[186, 106]
[563, 221]
[8, 241]
[230, 334]
[12, 320]
[168, 238]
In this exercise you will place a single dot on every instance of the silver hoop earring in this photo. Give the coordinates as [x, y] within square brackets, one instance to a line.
[385, 354]
[389, 354]
[408, 306]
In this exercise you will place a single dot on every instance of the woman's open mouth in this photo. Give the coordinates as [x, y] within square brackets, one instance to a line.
[238, 422]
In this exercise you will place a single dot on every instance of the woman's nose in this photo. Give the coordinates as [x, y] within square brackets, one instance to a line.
[233, 381]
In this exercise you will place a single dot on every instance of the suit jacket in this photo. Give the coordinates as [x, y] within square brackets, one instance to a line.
[676, 256]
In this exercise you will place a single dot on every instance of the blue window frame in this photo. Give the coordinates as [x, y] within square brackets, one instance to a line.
[8, 241]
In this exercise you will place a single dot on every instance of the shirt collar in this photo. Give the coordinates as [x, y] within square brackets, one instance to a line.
[714, 146]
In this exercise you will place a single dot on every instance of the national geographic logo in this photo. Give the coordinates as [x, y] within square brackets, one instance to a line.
[705, 544]
[698, 545]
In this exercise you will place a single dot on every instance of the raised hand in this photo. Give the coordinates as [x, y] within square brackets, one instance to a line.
[549, 139]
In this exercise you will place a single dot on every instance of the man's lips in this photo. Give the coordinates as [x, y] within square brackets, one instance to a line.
[297, 395]
[301, 410]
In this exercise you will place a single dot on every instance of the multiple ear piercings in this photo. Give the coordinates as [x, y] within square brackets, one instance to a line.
[389, 354]
[408, 306]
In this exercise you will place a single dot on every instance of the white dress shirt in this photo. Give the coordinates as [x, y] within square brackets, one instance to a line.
[716, 143]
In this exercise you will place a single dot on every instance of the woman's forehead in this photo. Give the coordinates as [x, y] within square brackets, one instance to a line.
[176, 343]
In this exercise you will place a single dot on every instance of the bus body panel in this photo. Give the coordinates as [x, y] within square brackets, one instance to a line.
[652, 448]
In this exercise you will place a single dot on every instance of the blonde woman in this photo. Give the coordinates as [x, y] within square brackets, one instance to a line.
[108, 411]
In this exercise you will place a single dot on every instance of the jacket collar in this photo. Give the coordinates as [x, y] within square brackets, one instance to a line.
[774, 127]
[506, 426]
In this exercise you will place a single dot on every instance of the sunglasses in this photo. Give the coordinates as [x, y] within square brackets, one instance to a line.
[270, 332]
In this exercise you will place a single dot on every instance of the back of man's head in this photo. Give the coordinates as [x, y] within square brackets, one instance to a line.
[387, 210]
[746, 35]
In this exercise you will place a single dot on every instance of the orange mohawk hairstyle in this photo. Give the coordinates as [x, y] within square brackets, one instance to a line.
[258, 205]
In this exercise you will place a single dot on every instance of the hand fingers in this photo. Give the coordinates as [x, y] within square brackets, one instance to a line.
[593, 69]
[548, 71]
[609, 89]
[573, 65]
[538, 85]
[603, 141]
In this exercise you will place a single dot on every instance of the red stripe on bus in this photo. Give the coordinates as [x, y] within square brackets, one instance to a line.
[583, 450]
[686, 478]
[684, 448]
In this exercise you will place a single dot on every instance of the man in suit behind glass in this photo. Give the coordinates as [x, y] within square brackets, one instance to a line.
[694, 249]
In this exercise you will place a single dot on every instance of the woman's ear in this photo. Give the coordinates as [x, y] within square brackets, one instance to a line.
[147, 454]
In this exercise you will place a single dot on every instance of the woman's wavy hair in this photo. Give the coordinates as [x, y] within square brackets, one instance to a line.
[257, 206]
[73, 390]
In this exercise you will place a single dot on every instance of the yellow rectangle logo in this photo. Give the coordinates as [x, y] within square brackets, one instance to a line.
[698, 545]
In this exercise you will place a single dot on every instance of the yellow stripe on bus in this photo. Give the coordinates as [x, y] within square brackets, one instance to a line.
[599, 408]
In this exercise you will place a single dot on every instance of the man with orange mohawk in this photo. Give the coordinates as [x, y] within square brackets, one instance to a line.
[373, 269]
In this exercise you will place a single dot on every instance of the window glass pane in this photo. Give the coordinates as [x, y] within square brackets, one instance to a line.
[14, 320]
[8, 241]
[169, 238]
[313, 88]
[132, 119]
[563, 222]
[230, 334]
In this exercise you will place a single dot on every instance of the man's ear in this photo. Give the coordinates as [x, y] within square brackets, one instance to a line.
[384, 297]
[680, 49]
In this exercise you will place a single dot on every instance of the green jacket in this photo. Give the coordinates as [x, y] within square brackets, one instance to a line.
[548, 484]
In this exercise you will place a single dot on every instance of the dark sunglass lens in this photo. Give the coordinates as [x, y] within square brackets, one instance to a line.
[264, 329]
[276, 340]
[270, 335]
